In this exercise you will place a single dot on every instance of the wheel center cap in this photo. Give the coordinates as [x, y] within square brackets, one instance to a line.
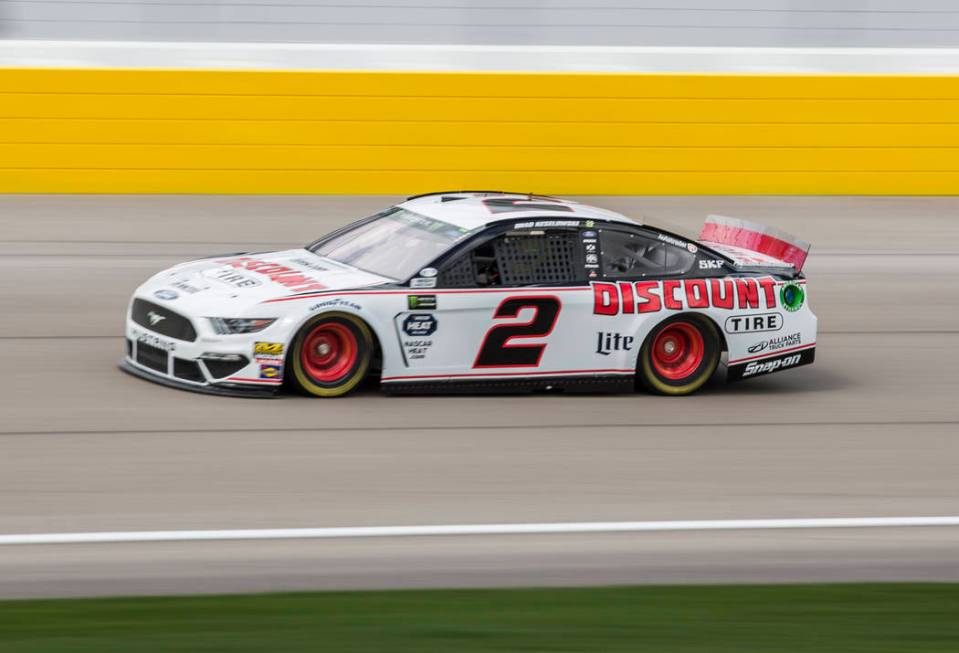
[324, 349]
[669, 346]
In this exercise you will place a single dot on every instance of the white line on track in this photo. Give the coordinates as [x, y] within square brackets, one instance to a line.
[477, 58]
[474, 529]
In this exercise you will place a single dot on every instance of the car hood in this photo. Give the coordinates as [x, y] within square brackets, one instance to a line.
[234, 282]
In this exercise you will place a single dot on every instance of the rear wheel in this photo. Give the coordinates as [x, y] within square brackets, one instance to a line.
[679, 356]
[331, 354]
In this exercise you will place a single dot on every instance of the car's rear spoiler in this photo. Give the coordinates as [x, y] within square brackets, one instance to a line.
[750, 244]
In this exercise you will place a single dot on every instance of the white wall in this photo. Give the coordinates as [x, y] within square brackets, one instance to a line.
[763, 23]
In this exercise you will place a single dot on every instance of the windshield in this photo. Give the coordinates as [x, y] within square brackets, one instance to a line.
[396, 244]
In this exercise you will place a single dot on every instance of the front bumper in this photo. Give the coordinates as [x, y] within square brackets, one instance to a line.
[223, 389]
[223, 365]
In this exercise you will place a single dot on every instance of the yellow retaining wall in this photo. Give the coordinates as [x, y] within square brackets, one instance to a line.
[200, 131]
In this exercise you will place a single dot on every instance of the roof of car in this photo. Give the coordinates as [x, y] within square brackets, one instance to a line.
[473, 209]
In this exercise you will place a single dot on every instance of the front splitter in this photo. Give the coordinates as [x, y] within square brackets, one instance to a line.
[223, 390]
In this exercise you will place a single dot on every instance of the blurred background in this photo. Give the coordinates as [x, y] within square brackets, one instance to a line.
[135, 134]
[731, 23]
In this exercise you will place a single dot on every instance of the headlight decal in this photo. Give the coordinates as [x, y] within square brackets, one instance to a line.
[238, 325]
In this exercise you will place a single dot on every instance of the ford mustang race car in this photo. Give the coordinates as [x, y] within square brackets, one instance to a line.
[470, 291]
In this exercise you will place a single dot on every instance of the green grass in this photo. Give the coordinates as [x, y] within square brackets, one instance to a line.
[898, 618]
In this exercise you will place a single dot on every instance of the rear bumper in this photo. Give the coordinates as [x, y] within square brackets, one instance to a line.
[222, 389]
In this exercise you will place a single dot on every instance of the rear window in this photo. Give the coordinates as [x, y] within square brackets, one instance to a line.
[631, 254]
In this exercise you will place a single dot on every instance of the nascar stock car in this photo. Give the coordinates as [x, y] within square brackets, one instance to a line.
[472, 291]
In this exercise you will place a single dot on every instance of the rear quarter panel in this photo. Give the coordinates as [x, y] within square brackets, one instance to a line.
[749, 312]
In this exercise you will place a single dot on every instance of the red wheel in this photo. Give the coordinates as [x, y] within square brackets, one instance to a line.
[679, 356]
[678, 350]
[329, 351]
[331, 354]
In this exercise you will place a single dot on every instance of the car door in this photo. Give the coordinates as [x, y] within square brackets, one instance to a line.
[512, 303]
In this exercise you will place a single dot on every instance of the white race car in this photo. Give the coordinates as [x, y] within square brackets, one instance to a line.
[480, 291]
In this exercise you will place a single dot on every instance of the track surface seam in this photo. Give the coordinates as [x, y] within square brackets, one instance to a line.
[482, 427]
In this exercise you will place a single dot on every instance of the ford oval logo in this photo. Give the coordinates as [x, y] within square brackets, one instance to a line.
[166, 294]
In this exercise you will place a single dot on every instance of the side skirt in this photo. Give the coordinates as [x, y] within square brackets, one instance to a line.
[590, 384]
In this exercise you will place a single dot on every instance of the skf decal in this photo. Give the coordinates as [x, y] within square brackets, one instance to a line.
[677, 295]
[271, 371]
[280, 274]
[267, 348]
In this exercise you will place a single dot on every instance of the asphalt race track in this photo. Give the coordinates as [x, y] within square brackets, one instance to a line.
[869, 430]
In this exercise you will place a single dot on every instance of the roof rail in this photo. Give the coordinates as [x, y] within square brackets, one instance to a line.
[474, 192]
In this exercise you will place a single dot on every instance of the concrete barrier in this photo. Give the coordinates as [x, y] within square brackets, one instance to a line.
[235, 130]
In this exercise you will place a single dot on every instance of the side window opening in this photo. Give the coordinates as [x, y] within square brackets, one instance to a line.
[629, 254]
[475, 268]
[536, 258]
[517, 258]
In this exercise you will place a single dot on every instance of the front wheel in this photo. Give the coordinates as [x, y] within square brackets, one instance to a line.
[331, 354]
[679, 356]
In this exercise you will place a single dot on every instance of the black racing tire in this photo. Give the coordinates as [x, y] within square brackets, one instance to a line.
[679, 355]
[331, 355]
